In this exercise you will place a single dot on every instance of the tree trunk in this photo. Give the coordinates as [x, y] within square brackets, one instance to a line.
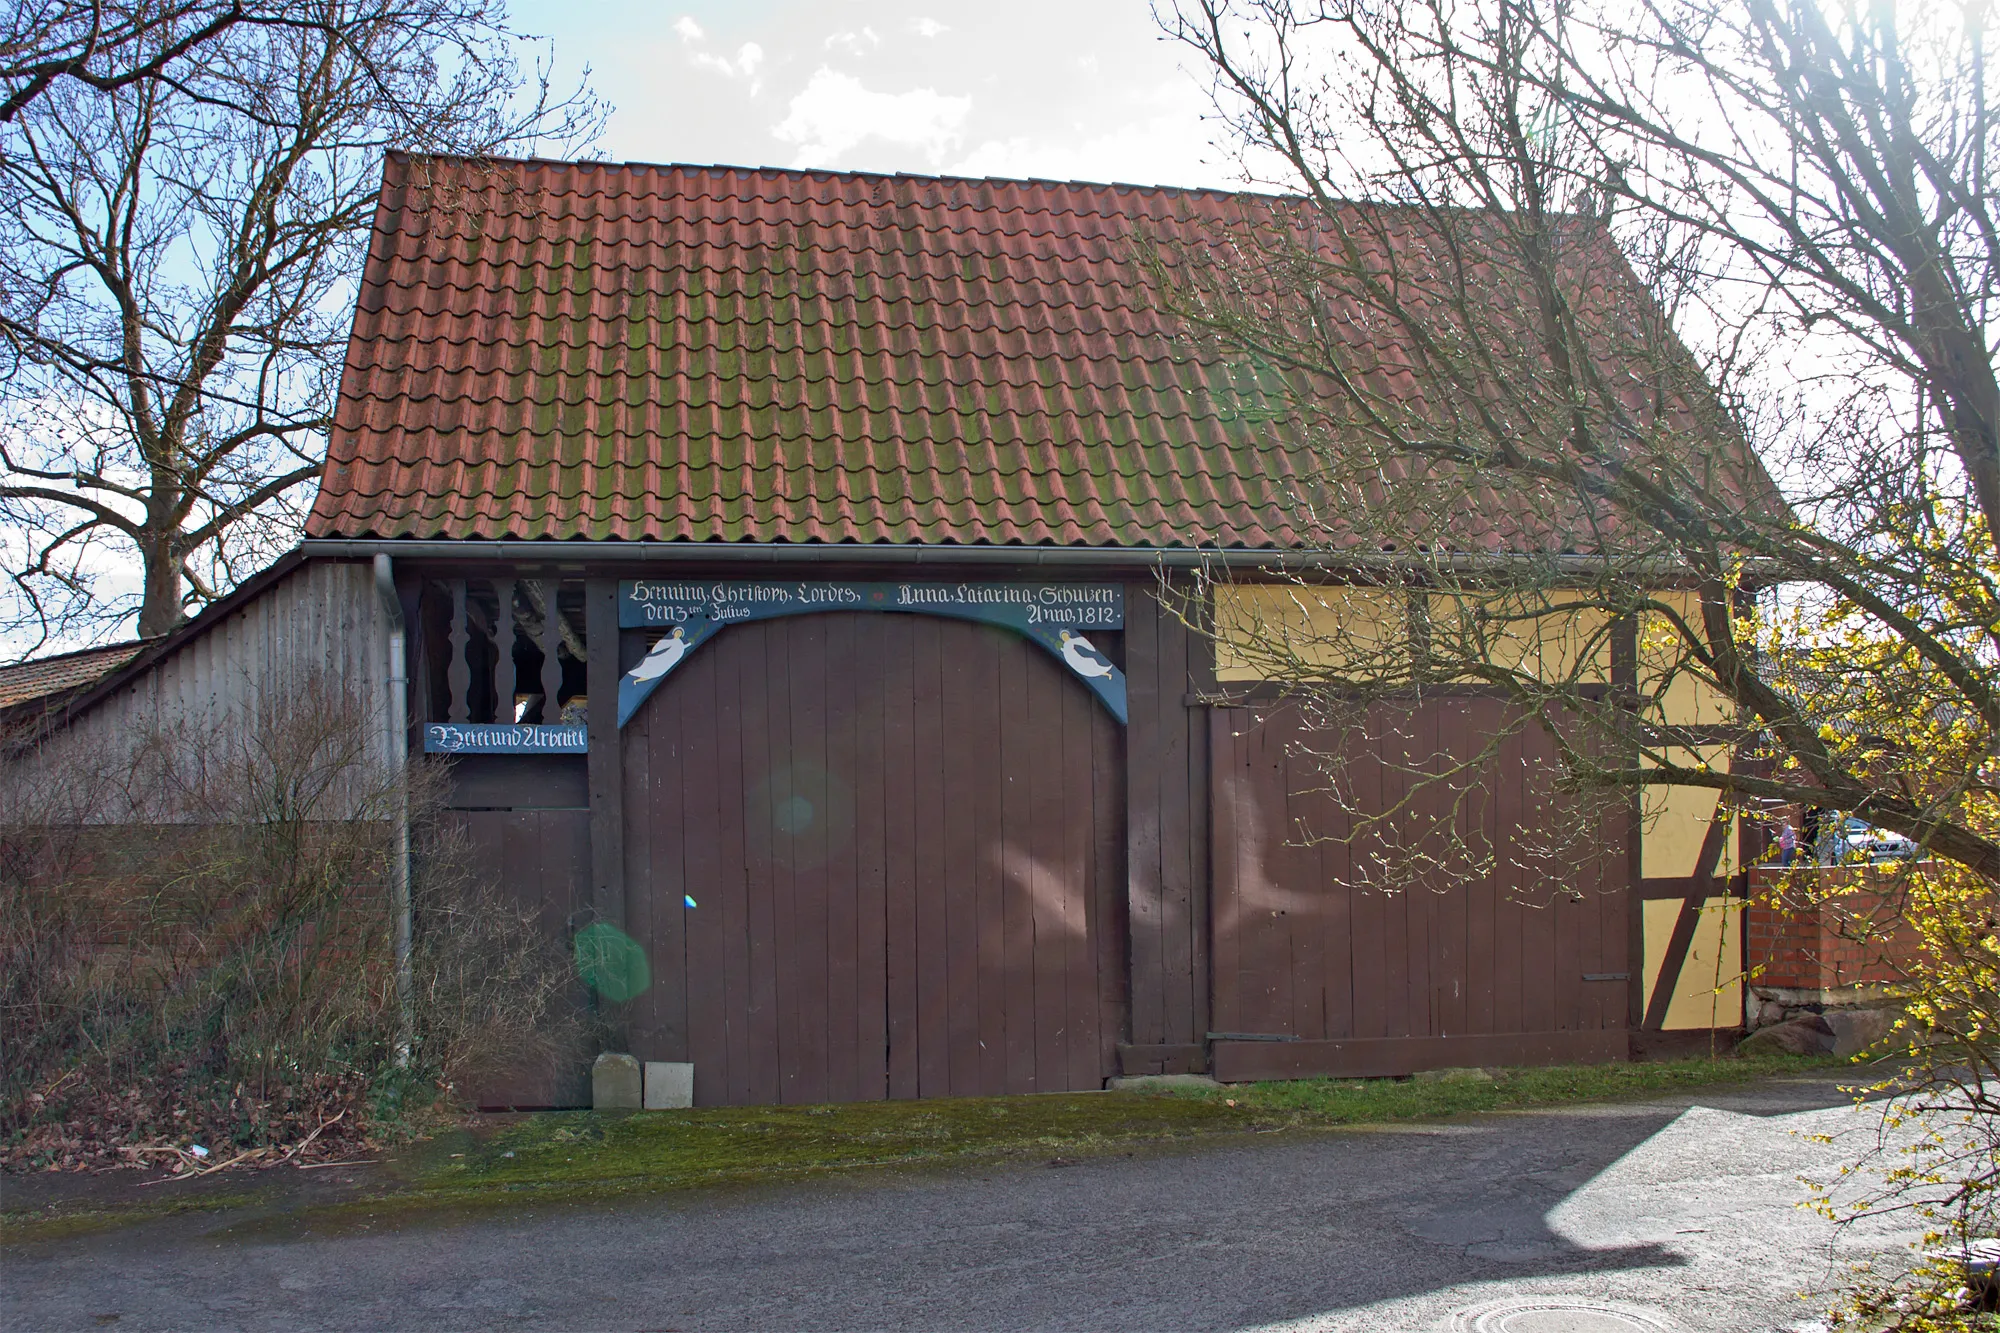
[160, 607]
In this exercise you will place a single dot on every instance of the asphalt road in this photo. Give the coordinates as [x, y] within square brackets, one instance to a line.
[1680, 1215]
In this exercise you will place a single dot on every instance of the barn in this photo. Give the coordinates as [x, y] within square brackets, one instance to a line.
[798, 569]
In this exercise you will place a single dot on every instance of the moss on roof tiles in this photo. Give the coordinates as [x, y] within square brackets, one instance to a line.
[770, 356]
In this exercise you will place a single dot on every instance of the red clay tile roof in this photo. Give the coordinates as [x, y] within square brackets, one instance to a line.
[46, 676]
[586, 350]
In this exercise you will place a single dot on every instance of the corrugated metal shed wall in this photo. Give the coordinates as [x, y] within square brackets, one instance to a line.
[321, 618]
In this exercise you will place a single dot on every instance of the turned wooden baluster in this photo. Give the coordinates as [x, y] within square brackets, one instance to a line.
[551, 640]
[503, 652]
[458, 676]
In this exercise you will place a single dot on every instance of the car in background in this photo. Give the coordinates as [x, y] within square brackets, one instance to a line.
[1868, 843]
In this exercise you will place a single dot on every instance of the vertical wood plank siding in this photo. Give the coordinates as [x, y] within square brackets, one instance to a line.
[1344, 979]
[906, 878]
[1167, 777]
[320, 620]
[538, 860]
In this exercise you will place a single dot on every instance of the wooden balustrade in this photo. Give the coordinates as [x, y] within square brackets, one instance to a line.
[487, 619]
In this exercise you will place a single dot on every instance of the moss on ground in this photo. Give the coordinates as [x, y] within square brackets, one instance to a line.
[655, 1149]
[576, 1155]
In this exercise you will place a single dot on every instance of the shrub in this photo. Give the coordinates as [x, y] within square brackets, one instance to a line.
[195, 947]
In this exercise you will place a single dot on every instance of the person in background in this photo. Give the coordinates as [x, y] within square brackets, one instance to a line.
[1788, 843]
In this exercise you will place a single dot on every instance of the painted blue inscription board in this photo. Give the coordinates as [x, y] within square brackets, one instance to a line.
[505, 738]
[1054, 615]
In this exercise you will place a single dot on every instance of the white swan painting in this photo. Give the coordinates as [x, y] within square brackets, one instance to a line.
[1082, 658]
[666, 655]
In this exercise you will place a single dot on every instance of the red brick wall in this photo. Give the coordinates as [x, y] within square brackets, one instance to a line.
[1817, 929]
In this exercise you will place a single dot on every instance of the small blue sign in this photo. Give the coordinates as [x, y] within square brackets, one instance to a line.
[506, 738]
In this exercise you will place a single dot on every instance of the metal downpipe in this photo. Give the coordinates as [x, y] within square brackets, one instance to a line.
[399, 758]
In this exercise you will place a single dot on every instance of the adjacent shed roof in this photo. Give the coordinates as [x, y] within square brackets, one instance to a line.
[548, 350]
[49, 678]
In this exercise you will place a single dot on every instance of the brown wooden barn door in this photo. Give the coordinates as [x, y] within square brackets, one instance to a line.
[1314, 973]
[902, 837]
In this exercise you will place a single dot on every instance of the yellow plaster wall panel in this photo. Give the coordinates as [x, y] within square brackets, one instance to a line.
[1274, 631]
[1269, 631]
[1555, 646]
[1710, 990]
[1689, 700]
[1675, 821]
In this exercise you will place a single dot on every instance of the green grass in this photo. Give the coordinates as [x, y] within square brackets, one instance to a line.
[1379, 1100]
[562, 1151]
[573, 1155]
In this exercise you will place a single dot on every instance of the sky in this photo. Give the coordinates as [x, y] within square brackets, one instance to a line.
[1076, 90]
[1083, 90]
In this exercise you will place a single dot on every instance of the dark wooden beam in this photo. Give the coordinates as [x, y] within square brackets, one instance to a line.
[606, 768]
[1705, 886]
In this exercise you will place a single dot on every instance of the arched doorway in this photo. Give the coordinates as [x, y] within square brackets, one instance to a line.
[903, 840]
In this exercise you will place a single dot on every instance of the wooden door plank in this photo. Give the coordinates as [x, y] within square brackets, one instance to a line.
[1228, 753]
[1177, 838]
[871, 834]
[958, 770]
[728, 895]
[1420, 898]
[1143, 800]
[1017, 814]
[1308, 906]
[1538, 929]
[1323, 873]
[986, 718]
[648, 1014]
[840, 876]
[1510, 910]
[1369, 943]
[1079, 847]
[900, 877]
[1108, 901]
[1049, 873]
[689, 842]
[804, 828]
[1480, 896]
[933, 970]
[757, 658]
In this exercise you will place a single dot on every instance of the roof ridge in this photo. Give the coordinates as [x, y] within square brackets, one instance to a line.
[833, 173]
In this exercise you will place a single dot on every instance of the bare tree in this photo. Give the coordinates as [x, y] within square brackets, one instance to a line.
[185, 196]
[1508, 222]
[1643, 357]
[104, 46]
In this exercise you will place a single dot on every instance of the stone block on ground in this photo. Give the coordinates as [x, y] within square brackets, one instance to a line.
[669, 1085]
[614, 1083]
[1807, 1034]
[1857, 1030]
[1142, 1082]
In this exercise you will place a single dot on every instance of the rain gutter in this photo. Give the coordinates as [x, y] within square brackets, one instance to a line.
[1040, 557]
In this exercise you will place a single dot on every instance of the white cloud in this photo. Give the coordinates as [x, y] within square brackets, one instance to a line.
[854, 43]
[834, 112]
[748, 57]
[928, 27]
[1149, 152]
[689, 30]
